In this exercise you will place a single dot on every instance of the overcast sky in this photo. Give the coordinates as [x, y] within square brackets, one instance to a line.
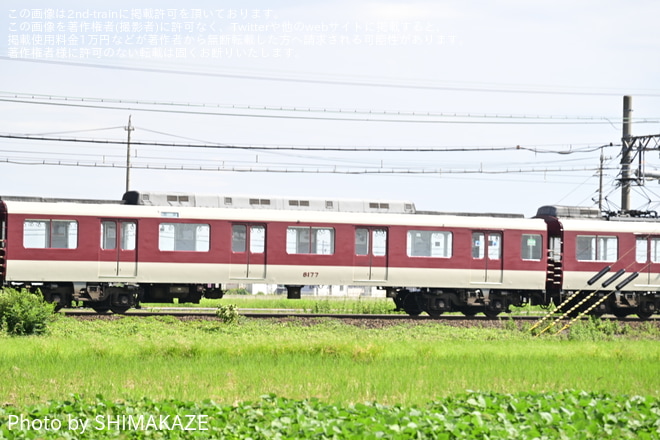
[457, 85]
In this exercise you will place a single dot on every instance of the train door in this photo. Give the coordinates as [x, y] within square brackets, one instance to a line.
[3, 242]
[487, 266]
[248, 251]
[118, 253]
[370, 261]
[647, 252]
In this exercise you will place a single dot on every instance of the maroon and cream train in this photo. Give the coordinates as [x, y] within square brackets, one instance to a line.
[153, 247]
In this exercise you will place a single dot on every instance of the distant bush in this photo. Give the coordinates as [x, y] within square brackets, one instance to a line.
[237, 291]
[24, 313]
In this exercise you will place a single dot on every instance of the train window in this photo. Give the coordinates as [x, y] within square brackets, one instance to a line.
[184, 237]
[310, 240]
[429, 244]
[50, 234]
[532, 246]
[596, 248]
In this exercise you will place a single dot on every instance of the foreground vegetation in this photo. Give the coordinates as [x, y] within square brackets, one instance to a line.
[131, 358]
[566, 415]
[131, 377]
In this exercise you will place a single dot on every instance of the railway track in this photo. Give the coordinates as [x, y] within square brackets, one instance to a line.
[209, 312]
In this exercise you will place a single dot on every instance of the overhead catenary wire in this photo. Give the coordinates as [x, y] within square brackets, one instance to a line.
[309, 113]
[255, 168]
[344, 80]
[292, 147]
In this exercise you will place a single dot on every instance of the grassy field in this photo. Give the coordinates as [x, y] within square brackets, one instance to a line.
[142, 378]
[130, 358]
[358, 305]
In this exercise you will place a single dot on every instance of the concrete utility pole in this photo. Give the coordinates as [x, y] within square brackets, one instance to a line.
[626, 154]
[128, 128]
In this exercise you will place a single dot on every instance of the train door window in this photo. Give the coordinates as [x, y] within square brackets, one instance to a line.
[531, 247]
[379, 247]
[257, 238]
[108, 235]
[646, 246]
[128, 235]
[596, 248]
[238, 238]
[376, 239]
[655, 250]
[493, 247]
[54, 234]
[310, 240]
[641, 249]
[478, 245]
[361, 241]
[555, 249]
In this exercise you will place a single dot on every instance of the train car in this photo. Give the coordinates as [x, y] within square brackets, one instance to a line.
[155, 248]
[620, 248]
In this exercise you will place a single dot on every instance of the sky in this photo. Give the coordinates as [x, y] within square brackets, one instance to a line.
[453, 105]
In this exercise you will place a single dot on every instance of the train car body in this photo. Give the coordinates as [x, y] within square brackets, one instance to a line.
[624, 249]
[158, 248]
[110, 256]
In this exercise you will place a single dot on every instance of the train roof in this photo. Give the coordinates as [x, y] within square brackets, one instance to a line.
[153, 198]
[74, 209]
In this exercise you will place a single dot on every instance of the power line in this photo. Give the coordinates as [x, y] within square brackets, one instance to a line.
[351, 115]
[297, 170]
[28, 98]
[295, 148]
[344, 81]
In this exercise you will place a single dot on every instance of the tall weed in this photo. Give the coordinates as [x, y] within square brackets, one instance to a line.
[24, 313]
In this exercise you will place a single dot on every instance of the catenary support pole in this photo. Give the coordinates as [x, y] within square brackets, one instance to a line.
[626, 154]
[128, 128]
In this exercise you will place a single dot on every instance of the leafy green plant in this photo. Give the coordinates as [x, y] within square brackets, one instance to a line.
[24, 313]
[567, 414]
[593, 329]
[228, 313]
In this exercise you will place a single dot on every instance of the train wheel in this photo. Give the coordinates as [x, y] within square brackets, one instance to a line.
[57, 300]
[645, 309]
[620, 313]
[410, 305]
[491, 314]
[468, 312]
[497, 306]
[101, 310]
[434, 313]
[120, 310]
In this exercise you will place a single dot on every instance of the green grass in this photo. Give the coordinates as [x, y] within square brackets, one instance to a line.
[309, 305]
[159, 358]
